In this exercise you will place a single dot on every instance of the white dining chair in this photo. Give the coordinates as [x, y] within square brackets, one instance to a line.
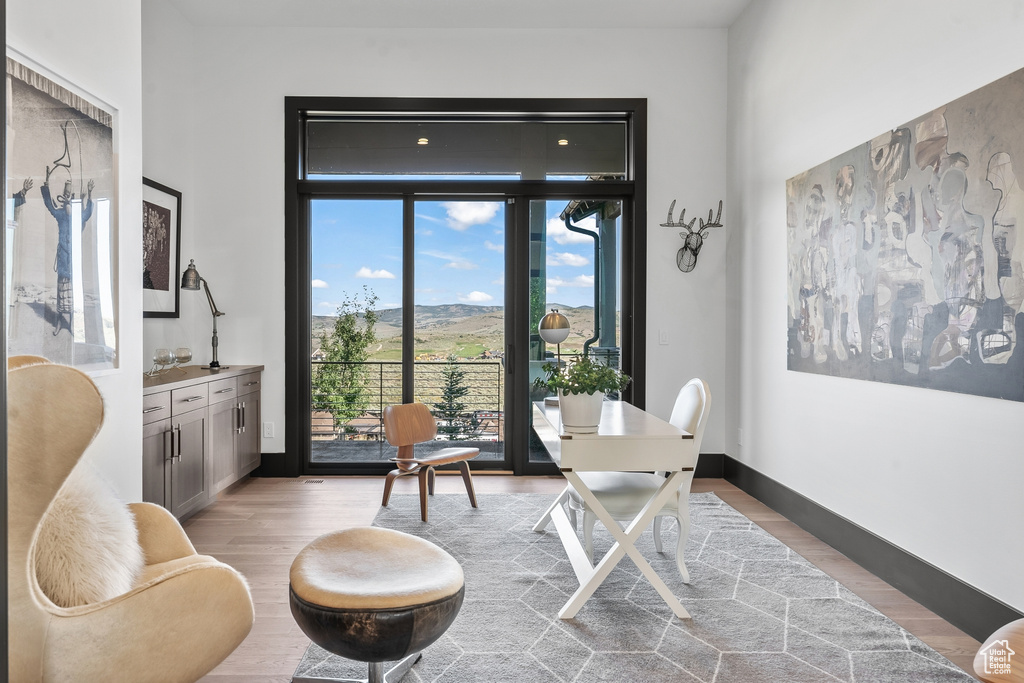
[624, 494]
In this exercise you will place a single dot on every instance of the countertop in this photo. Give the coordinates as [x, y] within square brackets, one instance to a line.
[188, 375]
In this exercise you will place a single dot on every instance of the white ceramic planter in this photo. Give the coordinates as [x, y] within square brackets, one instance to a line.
[581, 413]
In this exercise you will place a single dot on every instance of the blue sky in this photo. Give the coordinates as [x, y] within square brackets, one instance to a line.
[459, 254]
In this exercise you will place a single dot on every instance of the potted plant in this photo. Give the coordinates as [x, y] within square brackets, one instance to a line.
[581, 384]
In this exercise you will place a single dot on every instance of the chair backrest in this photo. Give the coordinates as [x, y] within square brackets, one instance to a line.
[408, 424]
[54, 412]
[690, 412]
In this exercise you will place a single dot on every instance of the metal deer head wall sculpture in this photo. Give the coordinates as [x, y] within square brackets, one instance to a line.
[693, 240]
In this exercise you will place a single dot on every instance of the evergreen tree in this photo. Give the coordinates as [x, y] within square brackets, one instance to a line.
[339, 383]
[451, 421]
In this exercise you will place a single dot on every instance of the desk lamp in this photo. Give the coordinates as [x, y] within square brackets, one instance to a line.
[190, 280]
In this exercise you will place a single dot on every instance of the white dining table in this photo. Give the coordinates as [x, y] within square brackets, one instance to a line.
[627, 440]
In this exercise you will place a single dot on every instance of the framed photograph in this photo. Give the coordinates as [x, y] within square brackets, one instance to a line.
[61, 230]
[161, 236]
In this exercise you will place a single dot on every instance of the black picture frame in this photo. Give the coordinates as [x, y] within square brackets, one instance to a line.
[161, 247]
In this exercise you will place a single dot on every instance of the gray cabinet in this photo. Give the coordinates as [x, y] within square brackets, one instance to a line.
[189, 489]
[201, 433]
[248, 435]
[223, 427]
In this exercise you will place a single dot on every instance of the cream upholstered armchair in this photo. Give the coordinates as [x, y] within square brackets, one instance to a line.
[624, 494]
[182, 613]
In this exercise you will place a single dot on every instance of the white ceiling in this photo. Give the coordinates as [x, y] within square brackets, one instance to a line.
[571, 15]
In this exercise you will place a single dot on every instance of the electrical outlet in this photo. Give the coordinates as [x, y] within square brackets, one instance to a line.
[268, 430]
[739, 436]
[663, 337]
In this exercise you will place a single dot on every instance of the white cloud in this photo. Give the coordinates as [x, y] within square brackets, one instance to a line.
[476, 298]
[328, 304]
[462, 215]
[461, 264]
[566, 258]
[578, 281]
[499, 281]
[456, 262]
[319, 284]
[561, 234]
[375, 274]
[494, 247]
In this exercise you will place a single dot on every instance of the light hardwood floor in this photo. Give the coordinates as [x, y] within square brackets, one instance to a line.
[260, 525]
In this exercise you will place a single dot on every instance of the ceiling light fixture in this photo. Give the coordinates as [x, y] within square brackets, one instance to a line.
[422, 141]
[563, 142]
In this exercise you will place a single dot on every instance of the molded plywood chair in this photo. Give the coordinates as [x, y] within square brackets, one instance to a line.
[624, 494]
[1001, 657]
[407, 425]
[181, 613]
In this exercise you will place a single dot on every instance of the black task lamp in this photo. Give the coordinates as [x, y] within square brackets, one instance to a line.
[190, 280]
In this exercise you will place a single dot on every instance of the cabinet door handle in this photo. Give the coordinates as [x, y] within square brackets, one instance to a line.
[225, 391]
[169, 452]
[238, 418]
[243, 417]
[177, 449]
[249, 384]
[193, 398]
[152, 410]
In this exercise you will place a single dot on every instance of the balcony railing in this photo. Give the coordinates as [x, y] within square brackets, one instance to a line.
[354, 412]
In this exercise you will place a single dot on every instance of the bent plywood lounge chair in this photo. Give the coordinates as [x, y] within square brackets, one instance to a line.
[182, 612]
[407, 425]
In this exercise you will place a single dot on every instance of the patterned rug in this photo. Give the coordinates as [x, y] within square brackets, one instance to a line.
[761, 612]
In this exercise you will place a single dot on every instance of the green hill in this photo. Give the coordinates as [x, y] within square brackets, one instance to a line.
[467, 331]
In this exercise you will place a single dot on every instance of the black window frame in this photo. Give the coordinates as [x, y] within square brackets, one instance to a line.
[298, 191]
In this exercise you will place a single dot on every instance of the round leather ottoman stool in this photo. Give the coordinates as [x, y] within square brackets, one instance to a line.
[374, 595]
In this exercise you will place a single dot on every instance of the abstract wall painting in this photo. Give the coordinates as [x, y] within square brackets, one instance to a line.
[161, 235]
[62, 221]
[906, 253]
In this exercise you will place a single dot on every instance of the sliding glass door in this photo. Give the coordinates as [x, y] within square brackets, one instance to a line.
[366, 354]
[356, 322]
[575, 268]
[459, 322]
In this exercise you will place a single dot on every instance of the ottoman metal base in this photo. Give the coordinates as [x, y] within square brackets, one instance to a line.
[376, 673]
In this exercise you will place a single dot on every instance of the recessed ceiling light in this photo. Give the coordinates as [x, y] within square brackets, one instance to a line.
[563, 142]
[422, 141]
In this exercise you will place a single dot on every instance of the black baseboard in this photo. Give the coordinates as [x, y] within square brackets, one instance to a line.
[710, 466]
[972, 611]
[277, 465]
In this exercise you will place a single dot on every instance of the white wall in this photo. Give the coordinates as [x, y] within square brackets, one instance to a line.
[96, 46]
[936, 473]
[236, 134]
[169, 66]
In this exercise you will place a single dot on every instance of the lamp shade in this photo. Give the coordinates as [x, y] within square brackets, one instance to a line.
[190, 278]
[554, 327]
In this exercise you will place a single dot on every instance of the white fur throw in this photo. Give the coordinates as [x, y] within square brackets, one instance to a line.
[88, 547]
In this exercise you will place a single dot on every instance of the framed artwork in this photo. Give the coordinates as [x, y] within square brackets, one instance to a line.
[906, 253]
[61, 231]
[161, 237]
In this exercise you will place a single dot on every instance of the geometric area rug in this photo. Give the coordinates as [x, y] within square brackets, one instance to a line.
[761, 612]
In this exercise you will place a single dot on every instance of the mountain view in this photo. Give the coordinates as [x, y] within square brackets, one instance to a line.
[465, 330]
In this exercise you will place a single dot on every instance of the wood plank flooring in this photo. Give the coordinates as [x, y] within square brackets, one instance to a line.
[259, 526]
